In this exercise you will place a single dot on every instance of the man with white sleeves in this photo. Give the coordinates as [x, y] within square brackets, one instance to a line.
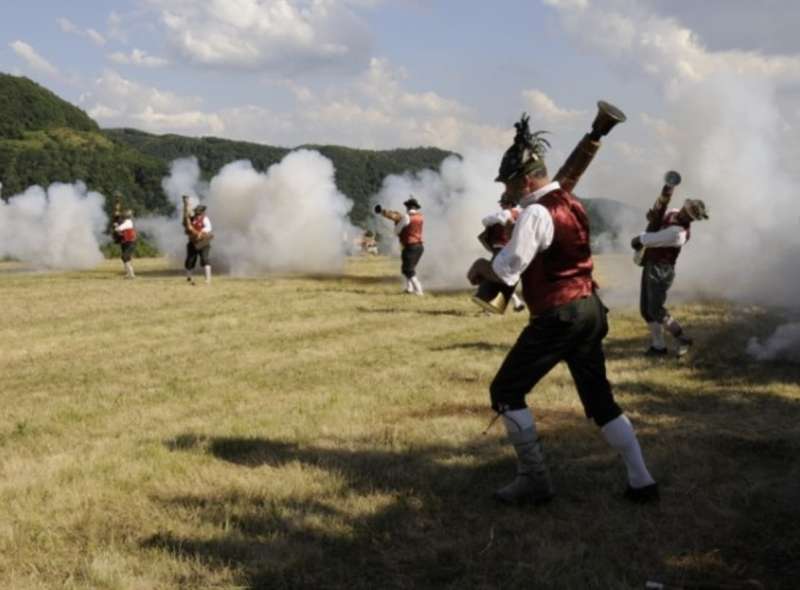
[499, 228]
[550, 254]
[662, 249]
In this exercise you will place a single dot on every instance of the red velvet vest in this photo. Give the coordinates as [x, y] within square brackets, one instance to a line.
[562, 272]
[197, 222]
[666, 255]
[500, 233]
[128, 235]
[412, 233]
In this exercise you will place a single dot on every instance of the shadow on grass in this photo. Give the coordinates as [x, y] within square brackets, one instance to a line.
[428, 312]
[420, 516]
[481, 345]
[719, 354]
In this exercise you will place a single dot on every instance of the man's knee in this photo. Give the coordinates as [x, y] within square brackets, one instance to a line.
[504, 399]
[605, 414]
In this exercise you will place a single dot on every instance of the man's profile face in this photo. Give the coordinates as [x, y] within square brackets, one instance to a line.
[516, 188]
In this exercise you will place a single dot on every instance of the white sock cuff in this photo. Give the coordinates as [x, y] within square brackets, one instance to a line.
[518, 420]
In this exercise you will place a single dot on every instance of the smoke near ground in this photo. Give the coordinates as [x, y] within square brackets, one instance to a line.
[730, 127]
[59, 228]
[781, 345]
[291, 218]
[453, 200]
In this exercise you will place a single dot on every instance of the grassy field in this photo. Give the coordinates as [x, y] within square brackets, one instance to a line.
[326, 432]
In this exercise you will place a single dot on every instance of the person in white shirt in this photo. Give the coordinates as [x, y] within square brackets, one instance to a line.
[550, 254]
[662, 249]
[199, 244]
[408, 229]
[499, 227]
[125, 235]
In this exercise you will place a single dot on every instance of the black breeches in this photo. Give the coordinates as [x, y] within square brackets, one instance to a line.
[192, 253]
[656, 281]
[410, 258]
[572, 333]
[126, 250]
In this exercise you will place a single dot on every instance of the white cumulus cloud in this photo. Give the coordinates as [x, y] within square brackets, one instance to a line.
[271, 35]
[32, 58]
[138, 57]
[68, 26]
[115, 101]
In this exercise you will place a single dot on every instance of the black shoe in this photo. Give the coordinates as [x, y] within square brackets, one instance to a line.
[653, 351]
[520, 307]
[643, 495]
[684, 343]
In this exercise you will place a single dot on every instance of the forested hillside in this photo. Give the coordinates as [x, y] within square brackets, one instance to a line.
[359, 173]
[44, 139]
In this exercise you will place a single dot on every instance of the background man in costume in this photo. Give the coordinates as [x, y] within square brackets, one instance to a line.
[549, 252]
[408, 228]
[125, 234]
[499, 227]
[663, 245]
[198, 228]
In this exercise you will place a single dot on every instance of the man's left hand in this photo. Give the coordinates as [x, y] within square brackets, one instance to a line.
[636, 243]
[480, 270]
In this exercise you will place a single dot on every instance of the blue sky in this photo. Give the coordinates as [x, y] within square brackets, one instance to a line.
[396, 73]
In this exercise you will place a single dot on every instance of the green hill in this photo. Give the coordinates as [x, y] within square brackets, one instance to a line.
[44, 139]
[359, 173]
[26, 106]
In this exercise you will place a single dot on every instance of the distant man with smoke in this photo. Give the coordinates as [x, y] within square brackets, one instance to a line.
[662, 249]
[549, 253]
[408, 228]
[198, 228]
[499, 227]
[125, 235]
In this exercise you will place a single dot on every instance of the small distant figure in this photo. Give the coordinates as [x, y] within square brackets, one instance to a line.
[408, 227]
[198, 228]
[369, 244]
[663, 245]
[499, 227]
[125, 235]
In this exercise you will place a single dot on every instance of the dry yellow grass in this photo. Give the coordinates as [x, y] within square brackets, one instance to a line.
[325, 432]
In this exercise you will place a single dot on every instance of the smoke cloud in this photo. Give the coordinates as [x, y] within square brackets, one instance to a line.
[291, 218]
[781, 345]
[730, 128]
[58, 228]
[453, 201]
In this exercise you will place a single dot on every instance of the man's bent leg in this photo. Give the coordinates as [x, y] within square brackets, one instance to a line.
[587, 364]
[532, 484]
[539, 347]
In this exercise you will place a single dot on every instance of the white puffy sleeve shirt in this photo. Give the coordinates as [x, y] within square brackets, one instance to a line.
[533, 233]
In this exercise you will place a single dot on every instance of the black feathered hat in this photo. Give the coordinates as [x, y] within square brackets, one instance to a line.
[525, 155]
[412, 203]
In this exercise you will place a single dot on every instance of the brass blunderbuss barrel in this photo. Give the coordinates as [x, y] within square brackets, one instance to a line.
[494, 297]
[656, 214]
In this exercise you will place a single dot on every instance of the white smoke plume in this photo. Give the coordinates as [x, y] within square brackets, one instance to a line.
[60, 228]
[453, 201]
[291, 218]
[730, 127]
[781, 345]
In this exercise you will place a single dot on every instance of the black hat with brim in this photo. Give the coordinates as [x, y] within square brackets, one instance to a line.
[412, 203]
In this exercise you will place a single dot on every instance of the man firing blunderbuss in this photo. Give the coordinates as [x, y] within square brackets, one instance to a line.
[408, 228]
[197, 227]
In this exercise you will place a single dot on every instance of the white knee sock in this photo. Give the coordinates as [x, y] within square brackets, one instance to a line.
[620, 435]
[129, 269]
[515, 300]
[416, 285]
[518, 420]
[657, 335]
[207, 269]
